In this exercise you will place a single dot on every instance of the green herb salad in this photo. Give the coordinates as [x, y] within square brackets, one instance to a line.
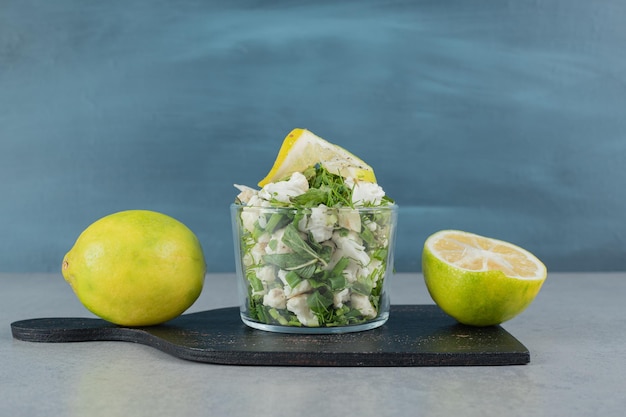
[315, 249]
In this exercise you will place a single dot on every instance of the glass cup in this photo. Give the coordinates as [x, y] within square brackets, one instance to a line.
[315, 270]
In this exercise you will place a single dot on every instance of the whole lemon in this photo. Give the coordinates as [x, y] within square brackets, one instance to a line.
[136, 268]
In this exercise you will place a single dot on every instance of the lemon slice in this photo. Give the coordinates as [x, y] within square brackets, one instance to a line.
[302, 149]
[479, 280]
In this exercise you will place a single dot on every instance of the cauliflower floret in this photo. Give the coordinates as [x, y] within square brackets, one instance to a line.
[284, 190]
[362, 303]
[275, 298]
[249, 217]
[301, 309]
[372, 226]
[266, 274]
[255, 255]
[275, 244]
[258, 251]
[364, 192]
[341, 297]
[370, 273]
[246, 193]
[251, 213]
[303, 286]
[320, 223]
[282, 274]
[351, 272]
[349, 219]
[256, 201]
[351, 246]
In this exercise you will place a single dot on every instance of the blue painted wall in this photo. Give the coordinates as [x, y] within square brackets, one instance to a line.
[505, 118]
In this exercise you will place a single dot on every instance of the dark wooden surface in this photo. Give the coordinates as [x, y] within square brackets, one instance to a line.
[415, 335]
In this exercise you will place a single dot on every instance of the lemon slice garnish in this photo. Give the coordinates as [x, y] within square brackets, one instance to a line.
[302, 149]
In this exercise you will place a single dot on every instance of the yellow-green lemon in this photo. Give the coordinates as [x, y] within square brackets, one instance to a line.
[480, 281]
[136, 268]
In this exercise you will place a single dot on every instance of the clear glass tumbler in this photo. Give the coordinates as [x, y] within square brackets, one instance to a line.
[314, 270]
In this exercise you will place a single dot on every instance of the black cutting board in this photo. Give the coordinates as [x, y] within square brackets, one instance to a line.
[414, 335]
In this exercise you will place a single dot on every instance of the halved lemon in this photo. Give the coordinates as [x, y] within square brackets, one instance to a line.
[478, 280]
[302, 149]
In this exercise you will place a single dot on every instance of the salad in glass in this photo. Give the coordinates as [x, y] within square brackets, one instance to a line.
[313, 252]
